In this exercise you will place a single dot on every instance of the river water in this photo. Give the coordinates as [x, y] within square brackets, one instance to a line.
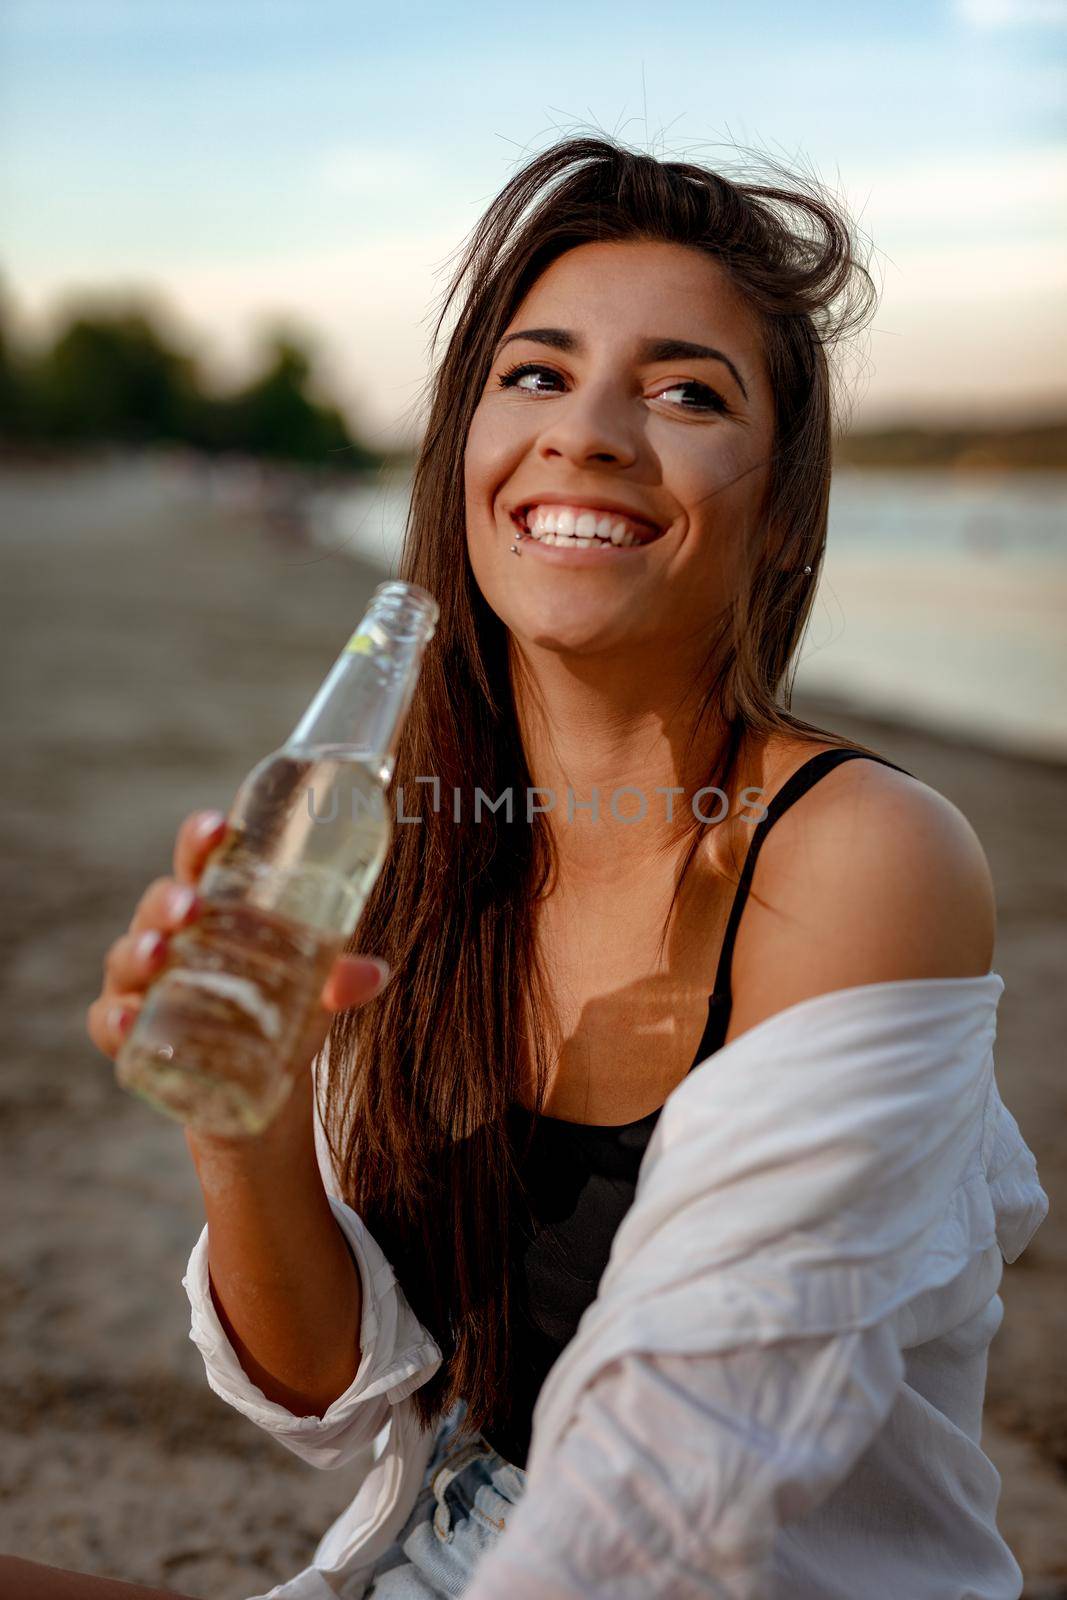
[943, 598]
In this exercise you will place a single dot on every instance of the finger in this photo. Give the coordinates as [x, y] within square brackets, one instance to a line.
[165, 906]
[110, 1018]
[197, 837]
[134, 960]
[353, 981]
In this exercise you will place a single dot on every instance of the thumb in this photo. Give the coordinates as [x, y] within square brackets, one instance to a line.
[353, 981]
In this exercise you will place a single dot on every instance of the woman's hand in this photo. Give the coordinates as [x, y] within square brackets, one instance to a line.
[169, 904]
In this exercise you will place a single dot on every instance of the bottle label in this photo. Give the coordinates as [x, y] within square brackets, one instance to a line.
[360, 644]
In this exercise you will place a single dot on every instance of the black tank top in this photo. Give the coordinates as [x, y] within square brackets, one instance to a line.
[581, 1176]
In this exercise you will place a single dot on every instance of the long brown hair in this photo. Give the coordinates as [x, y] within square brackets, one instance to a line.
[415, 1097]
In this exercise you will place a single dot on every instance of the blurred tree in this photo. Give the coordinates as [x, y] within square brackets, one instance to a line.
[12, 396]
[113, 377]
[15, 418]
[276, 416]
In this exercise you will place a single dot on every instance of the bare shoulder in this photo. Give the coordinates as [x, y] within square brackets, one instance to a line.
[870, 876]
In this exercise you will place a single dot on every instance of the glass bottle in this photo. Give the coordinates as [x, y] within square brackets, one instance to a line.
[220, 1034]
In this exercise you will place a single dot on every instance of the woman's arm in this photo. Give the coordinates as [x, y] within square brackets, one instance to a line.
[32, 1580]
[283, 1301]
[283, 1280]
[870, 877]
[679, 1471]
[394, 1353]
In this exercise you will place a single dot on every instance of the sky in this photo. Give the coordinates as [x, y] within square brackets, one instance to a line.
[318, 163]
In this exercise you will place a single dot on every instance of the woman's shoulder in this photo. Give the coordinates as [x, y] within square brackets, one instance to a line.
[870, 876]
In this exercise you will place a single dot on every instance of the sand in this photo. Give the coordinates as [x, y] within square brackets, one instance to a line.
[161, 638]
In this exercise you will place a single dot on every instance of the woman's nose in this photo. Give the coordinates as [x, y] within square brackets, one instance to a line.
[590, 427]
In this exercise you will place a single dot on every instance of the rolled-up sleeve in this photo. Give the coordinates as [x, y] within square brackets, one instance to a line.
[677, 1471]
[398, 1355]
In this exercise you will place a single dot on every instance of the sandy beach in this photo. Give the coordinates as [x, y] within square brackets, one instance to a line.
[159, 639]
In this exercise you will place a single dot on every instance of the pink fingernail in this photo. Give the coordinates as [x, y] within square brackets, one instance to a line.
[149, 946]
[210, 823]
[121, 1019]
[182, 901]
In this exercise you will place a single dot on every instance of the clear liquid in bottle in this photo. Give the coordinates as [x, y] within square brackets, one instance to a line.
[224, 1026]
[219, 1036]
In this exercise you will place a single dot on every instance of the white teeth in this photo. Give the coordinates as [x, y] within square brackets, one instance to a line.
[568, 541]
[579, 530]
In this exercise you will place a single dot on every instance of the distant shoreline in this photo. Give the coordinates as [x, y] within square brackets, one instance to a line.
[1034, 447]
[1030, 447]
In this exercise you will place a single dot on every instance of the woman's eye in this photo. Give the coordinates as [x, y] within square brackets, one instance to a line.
[510, 379]
[707, 399]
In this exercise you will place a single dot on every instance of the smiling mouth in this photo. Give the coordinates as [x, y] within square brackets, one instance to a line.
[582, 527]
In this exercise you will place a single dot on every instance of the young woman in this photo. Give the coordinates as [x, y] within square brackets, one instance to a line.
[767, 1357]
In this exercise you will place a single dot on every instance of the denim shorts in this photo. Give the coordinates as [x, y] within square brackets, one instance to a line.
[466, 1496]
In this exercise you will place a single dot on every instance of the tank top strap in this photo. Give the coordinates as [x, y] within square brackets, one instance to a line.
[803, 779]
[808, 773]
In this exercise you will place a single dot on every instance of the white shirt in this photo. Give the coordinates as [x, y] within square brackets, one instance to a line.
[777, 1390]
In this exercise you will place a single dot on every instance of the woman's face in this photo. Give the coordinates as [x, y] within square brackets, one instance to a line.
[580, 411]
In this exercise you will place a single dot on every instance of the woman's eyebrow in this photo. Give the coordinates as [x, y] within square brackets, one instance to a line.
[650, 350]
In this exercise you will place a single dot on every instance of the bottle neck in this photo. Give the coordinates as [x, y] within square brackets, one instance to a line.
[359, 710]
